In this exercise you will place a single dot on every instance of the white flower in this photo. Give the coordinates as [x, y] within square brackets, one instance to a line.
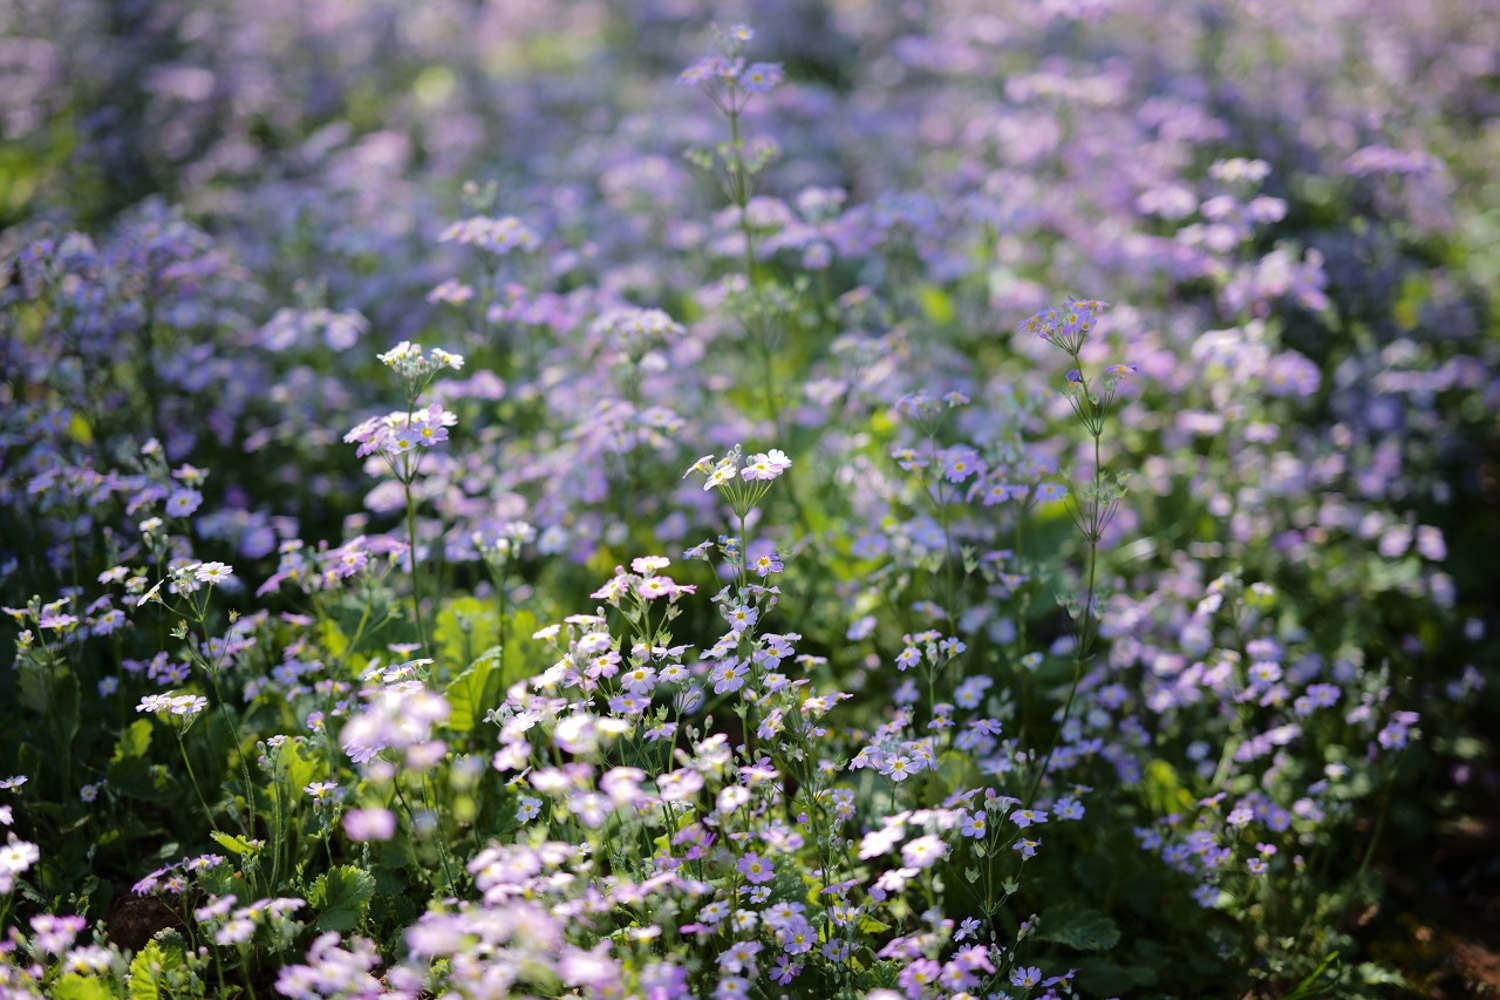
[17, 856]
[213, 572]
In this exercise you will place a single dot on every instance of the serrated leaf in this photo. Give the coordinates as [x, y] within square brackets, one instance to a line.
[1078, 927]
[343, 894]
[149, 969]
[74, 986]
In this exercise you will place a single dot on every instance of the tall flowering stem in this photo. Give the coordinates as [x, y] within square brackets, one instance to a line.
[1067, 328]
[399, 438]
[744, 483]
[416, 578]
[180, 711]
[730, 83]
[191, 586]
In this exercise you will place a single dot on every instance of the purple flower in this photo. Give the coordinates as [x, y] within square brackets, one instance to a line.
[370, 824]
[183, 502]
[761, 77]
[918, 976]
[924, 852]
[755, 868]
[1026, 817]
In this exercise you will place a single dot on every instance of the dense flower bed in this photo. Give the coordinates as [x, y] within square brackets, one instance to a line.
[491, 512]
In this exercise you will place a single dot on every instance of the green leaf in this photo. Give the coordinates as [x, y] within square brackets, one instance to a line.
[134, 742]
[1164, 789]
[936, 304]
[1101, 977]
[296, 764]
[230, 842]
[474, 692]
[32, 681]
[149, 970]
[66, 698]
[463, 624]
[343, 894]
[78, 987]
[130, 771]
[1078, 927]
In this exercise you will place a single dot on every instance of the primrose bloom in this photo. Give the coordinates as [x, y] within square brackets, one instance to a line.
[406, 359]
[1065, 327]
[213, 572]
[370, 824]
[400, 432]
[761, 77]
[722, 473]
[16, 857]
[633, 331]
[924, 852]
[180, 708]
[1026, 977]
[766, 466]
[498, 236]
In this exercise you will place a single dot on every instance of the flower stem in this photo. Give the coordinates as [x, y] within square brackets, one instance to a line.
[416, 580]
[194, 779]
[1081, 648]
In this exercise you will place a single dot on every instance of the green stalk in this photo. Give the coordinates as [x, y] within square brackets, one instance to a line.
[416, 584]
[194, 779]
[1080, 650]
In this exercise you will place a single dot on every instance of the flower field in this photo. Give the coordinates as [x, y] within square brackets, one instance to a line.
[814, 498]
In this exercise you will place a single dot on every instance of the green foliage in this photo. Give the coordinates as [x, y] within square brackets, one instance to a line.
[342, 896]
[160, 970]
[74, 986]
[1078, 926]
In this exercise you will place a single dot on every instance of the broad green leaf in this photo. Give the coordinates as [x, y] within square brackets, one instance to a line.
[1078, 927]
[1101, 977]
[230, 842]
[78, 987]
[297, 764]
[149, 970]
[463, 626]
[343, 895]
[936, 304]
[33, 681]
[135, 741]
[65, 704]
[130, 771]
[1164, 790]
[474, 692]
[334, 638]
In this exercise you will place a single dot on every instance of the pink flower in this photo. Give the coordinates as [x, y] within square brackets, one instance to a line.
[370, 824]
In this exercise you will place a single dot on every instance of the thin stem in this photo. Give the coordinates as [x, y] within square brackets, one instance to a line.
[1080, 650]
[416, 580]
[744, 568]
[194, 779]
[239, 748]
[276, 831]
[1385, 808]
